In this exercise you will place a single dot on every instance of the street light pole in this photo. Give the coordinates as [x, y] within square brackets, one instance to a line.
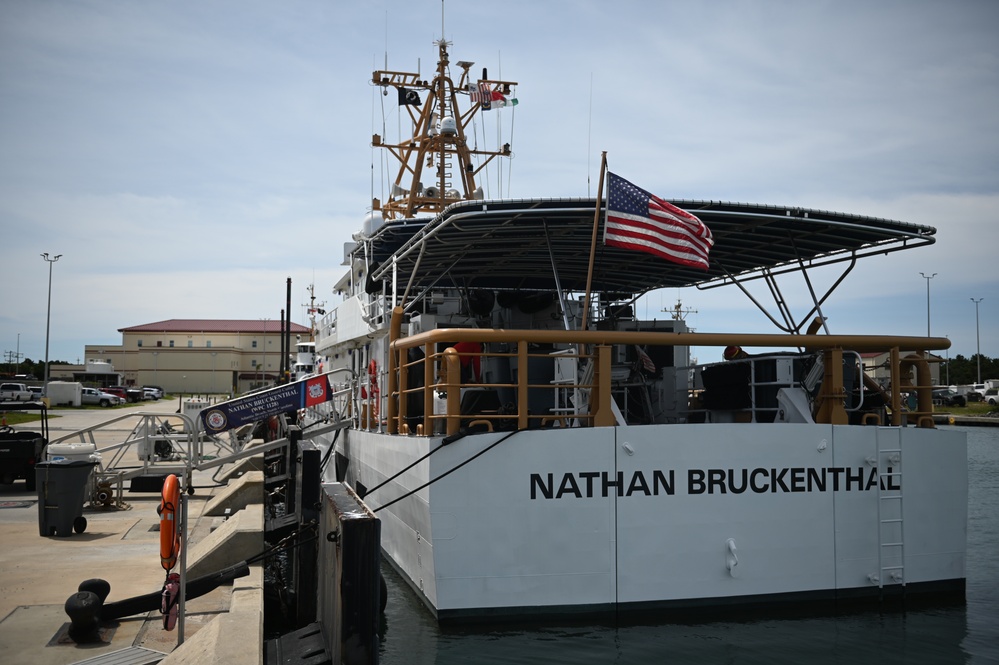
[978, 340]
[947, 365]
[928, 278]
[48, 321]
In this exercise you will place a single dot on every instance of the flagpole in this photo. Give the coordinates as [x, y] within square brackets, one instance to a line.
[593, 240]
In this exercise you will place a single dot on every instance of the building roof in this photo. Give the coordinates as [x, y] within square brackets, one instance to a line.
[214, 326]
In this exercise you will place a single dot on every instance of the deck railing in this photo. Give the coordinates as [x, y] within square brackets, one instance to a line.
[441, 374]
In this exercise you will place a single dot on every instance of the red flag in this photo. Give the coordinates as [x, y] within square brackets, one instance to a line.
[642, 221]
[317, 390]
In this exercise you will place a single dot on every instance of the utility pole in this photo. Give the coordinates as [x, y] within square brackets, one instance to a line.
[13, 357]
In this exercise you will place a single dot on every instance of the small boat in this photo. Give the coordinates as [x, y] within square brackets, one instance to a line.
[533, 448]
[303, 362]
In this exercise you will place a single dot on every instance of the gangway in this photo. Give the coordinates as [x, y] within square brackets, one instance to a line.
[167, 443]
[164, 443]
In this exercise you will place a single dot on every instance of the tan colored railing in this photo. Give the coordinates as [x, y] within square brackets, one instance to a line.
[830, 402]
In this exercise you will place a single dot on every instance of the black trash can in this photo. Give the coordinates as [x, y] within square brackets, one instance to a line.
[62, 490]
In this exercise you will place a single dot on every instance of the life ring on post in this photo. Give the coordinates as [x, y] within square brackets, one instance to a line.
[169, 511]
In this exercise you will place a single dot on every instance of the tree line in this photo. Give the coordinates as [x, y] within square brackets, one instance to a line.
[960, 371]
[28, 367]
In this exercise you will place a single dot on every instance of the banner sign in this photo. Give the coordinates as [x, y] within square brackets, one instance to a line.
[260, 406]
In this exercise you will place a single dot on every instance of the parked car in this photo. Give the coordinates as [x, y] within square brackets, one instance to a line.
[152, 393]
[15, 392]
[120, 392]
[131, 393]
[992, 396]
[36, 391]
[99, 397]
[949, 397]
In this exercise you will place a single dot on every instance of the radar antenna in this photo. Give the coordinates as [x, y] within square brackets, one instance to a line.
[679, 312]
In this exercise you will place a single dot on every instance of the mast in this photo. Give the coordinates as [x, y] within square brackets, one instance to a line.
[436, 165]
[313, 309]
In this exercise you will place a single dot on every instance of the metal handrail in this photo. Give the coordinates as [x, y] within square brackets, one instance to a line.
[831, 400]
[190, 435]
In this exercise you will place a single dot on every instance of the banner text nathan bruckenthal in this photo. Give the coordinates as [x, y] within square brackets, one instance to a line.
[589, 484]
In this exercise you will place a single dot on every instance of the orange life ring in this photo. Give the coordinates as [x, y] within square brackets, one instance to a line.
[169, 511]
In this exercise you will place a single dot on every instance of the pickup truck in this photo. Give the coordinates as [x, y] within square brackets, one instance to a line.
[21, 449]
[99, 397]
[15, 392]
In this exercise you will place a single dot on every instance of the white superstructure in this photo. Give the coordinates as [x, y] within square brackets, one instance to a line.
[305, 360]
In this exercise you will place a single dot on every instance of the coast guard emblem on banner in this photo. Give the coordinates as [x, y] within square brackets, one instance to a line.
[215, 420]
[316, 391]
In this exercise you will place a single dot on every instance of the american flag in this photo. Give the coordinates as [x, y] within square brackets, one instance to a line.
[482, 93]
[642, 221]
[645, 360]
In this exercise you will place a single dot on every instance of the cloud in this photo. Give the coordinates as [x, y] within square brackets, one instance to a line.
[187, 157]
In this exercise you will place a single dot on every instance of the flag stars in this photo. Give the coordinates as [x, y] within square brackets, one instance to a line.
[638, 220]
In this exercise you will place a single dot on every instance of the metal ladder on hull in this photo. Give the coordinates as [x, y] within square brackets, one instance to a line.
[891, 530]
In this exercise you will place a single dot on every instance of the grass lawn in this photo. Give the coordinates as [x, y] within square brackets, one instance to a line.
[18, 418]
[973, 409]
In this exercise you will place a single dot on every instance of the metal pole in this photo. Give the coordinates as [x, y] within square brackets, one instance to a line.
[928, 278]
[182, 599]
[947, 364]
[978, 340]
[48, 321]
[286, 356]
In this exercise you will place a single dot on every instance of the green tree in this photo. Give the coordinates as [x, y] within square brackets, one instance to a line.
[963, 371]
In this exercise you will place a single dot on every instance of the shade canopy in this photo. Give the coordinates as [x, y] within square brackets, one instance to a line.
[523, 245]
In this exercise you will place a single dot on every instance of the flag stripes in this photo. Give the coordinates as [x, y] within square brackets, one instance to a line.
[644, 222]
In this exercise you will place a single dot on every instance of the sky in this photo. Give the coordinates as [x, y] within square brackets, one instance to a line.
[185, 158]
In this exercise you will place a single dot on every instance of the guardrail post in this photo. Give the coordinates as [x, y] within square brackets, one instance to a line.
[522, 379]
[600, 396]
[896, 393]
[452, 378]
[428, 388]
[394, 362]
[832, 394]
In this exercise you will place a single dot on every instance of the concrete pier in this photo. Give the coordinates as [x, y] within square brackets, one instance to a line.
[38, 574]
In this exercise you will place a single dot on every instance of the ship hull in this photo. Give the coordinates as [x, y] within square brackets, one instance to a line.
[674, 517]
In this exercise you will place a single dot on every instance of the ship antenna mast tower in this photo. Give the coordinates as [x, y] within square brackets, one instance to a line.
[438, 151]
